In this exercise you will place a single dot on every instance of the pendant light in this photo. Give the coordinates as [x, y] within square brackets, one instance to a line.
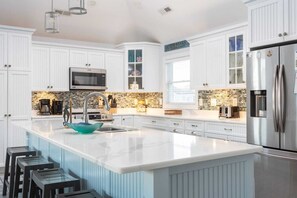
[77, 7]
[52, 20]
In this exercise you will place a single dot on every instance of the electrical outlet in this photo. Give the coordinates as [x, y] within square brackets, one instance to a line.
[234, 102]
[200, 102]
[213, 102]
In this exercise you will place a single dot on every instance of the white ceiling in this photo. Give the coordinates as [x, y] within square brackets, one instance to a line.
[117, 21]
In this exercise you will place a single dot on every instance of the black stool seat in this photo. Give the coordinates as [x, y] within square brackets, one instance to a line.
[51, 180]
[27, 164]
[9, 173]
[81, 194]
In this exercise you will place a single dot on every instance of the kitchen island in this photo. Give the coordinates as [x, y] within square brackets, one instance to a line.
[148, 163]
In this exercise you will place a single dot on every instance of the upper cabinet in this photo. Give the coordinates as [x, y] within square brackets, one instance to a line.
[15, 48]
[50, 68]
[142, 67]
[236, 59]
[218, 59]
[115, 72]
[208, 63]
[271, 22]
[87, 58]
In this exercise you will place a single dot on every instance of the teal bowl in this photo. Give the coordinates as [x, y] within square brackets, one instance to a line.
[84, 128]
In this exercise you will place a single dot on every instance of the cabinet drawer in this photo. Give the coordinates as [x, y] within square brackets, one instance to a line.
[194, 125]
[154, 122]
[196, 133]
[238, 130]
[216, 136]
[175, 130]
[176, 123]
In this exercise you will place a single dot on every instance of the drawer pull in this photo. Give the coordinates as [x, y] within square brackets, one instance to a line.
[153, 121]
[194, 125]
[227, 129]
[176, 124]
[193, 133]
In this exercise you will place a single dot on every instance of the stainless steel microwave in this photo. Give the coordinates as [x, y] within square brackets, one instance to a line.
[87, 79]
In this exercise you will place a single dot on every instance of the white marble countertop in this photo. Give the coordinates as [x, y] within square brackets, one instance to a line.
[140, 150]
[211, 116]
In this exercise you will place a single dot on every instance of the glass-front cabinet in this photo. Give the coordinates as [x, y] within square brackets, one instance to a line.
[236, 57]
[135, 69]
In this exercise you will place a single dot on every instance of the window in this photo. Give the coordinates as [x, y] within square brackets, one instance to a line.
[178, 83]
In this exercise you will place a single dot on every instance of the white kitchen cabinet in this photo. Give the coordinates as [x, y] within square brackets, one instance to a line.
[117, 120]
[208, 63]
[127, 121]
[3, 115]
[198, 65]
[236, 59]
[142, 67]
[87, 58]
[50, 69]
[59, 69]
[271, 22]
[3, 51]
[115, 72]
[40, 68]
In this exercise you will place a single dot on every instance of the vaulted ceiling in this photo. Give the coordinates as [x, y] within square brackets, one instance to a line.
[117, 21]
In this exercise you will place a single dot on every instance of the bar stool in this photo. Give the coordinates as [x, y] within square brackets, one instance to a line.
[81, 194]
[48, 181]
[11, 154]
[27, 164]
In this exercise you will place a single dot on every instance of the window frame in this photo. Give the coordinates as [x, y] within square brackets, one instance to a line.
[169, 57]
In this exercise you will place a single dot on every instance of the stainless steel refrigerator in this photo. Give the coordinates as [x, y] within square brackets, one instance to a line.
[272, 119]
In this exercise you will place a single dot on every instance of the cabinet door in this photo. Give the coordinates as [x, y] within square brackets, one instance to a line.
[78, 58]
[19, 107]
[216, 62]
[40, 68]
[3, 50]
[3, 112]
[115, 72]
[59, 69]
[19, 47]
[266, 23]
[152, 68]
[290, 25]
[96, 60]
[198, 65]
[128, 121]
[117, 120]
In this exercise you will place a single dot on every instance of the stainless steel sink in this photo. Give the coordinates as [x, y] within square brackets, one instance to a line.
[111, 129]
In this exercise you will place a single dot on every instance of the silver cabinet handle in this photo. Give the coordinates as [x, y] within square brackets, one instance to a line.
[48, 87]
[51, 87]
[282, 99]
[153, 121]
[194, 125]
[203, 84]
[194, 133]
[174, 131]
[285, 34]
[5, 115]
[5, 65]
[206, 84]
[9, 115]
[176, 124]
[9, 65]
[280, 35]
[227, 129]
[274, 99]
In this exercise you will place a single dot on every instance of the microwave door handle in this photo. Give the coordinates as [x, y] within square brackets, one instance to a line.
[282, 99]
[274, 99]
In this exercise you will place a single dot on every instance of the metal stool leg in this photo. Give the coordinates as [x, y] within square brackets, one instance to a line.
[33, 187]
[12, 174]
[6, 172]
[26, 183]
[46, 193]
[17, 182]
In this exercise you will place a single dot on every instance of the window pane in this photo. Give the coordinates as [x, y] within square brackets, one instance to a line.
[231, 44]
[179, 71]
[239, 42]
[240, 59]
[231, 60]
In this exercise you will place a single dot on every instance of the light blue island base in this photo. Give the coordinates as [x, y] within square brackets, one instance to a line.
[222, 178]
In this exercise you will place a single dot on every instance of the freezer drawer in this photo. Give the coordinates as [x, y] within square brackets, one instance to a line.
[276, 174]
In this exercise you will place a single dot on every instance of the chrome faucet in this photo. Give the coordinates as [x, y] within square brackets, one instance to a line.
[107, 107]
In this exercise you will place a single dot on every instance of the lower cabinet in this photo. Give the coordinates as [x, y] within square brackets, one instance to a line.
[123, 121]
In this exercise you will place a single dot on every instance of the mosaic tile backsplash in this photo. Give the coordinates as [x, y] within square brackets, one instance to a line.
[223, 97]
[124, 100]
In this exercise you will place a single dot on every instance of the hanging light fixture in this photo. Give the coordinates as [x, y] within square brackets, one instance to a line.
[77, 7]
[52, 20]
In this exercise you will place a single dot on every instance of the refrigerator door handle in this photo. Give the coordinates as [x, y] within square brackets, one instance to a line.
[282, 99]
[274, 100]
